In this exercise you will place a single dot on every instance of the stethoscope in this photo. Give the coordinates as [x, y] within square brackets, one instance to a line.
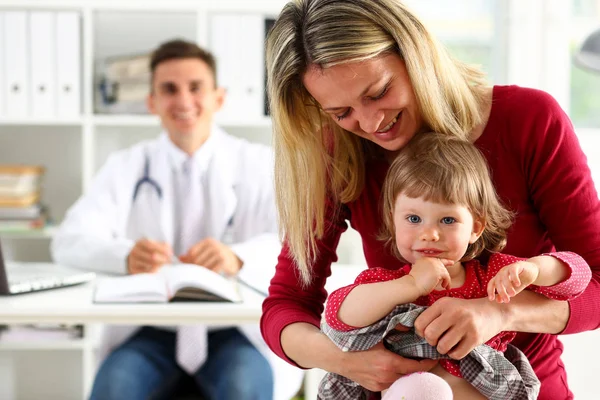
[154, 184]
[146, 179]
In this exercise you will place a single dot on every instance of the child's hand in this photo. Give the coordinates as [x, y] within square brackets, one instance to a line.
[428, 273]
[512, 279]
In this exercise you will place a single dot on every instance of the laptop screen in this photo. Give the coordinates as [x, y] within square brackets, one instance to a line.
[23, 277]
[3, 278]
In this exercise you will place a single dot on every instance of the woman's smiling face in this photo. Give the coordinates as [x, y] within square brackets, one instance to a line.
[373, 99]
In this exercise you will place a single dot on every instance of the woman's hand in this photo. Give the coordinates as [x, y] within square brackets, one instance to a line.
[377, 368]
[457, 326]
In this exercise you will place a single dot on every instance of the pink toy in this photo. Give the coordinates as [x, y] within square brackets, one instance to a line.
[419, 386]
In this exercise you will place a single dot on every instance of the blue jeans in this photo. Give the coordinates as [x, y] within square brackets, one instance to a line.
[144, 367]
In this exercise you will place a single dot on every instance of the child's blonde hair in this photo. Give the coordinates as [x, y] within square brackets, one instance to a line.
[449, 170]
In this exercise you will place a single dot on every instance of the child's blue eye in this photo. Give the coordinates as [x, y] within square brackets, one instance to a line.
[448, 220]
[414, 219]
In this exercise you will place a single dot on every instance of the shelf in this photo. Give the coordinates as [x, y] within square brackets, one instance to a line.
[33, 121]
[152, 120]
[44, 233]
[37, 345]
[126, 120]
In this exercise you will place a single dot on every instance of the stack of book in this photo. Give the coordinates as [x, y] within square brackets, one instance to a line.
[124, 84]
[20, 191]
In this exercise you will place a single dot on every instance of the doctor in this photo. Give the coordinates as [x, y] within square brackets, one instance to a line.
[197, 194]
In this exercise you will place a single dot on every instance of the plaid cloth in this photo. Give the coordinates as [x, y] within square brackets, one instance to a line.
[497, 376]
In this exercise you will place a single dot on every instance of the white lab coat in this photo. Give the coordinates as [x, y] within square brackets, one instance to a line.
[102, 227]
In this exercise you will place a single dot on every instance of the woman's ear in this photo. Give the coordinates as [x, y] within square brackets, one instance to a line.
[478, 227]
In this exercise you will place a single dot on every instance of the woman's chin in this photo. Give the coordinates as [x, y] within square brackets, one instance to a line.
[393, 146]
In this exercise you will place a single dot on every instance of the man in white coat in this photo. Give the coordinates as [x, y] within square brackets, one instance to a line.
[198, 195]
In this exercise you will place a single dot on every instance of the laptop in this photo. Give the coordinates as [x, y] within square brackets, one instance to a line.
[25, 277]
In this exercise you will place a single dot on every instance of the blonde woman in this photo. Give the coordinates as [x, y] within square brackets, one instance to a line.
[350, 83]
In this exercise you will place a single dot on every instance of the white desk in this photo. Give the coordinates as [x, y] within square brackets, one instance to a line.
[74, 305]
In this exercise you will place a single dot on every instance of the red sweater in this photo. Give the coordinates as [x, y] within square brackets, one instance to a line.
[539, 172]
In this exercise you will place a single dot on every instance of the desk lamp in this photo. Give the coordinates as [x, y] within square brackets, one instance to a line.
[589, 55]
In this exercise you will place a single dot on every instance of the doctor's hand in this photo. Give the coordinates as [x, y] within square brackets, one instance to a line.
[148, 256]
[214, 255]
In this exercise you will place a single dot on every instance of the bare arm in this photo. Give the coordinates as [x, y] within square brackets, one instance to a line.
[535, 313]
[562, 276]
[368, 303]
[375, 369]
[551, 270]
[310, 348]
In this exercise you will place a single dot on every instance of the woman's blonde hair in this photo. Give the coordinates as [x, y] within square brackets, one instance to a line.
[317, 162]
[448, 170]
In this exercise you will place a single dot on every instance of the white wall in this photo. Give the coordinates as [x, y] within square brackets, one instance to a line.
[582, 350]
[580, 357]
[590, 143]
[112, 31]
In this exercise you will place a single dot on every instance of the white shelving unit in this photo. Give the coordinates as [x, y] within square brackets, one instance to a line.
[73, 149]
[116, 28]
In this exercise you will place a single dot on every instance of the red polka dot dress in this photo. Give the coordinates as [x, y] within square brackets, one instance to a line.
[475, 286]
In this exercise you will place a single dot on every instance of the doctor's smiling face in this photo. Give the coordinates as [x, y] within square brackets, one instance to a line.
[185, 97]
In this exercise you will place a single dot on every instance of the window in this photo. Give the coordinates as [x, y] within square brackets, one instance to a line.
[468, 28]
[585, 84]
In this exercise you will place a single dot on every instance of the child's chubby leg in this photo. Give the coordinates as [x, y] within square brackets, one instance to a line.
[461, 389]
[419, 386]
[437, 384]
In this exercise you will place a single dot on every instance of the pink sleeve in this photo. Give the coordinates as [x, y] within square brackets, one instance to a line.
[337, 297]
[574, 285]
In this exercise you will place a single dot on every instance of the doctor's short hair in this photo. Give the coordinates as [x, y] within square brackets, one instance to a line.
[448, 170]
[181, 49]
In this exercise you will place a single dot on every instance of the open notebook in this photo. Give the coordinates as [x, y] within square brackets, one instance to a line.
[180, 282]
